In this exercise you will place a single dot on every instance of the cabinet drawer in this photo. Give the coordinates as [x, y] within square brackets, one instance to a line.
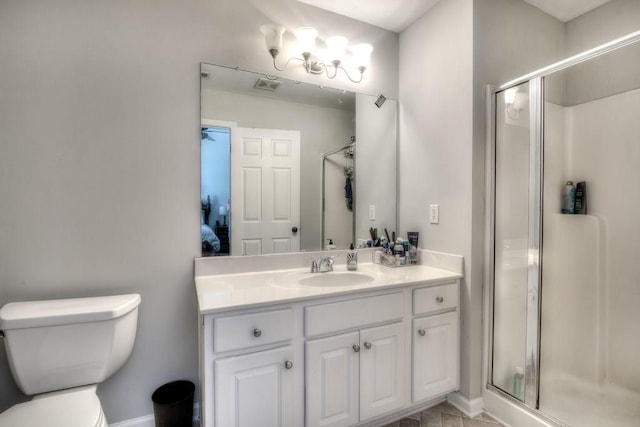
[351, 314]
[435, 298]
[248, 330]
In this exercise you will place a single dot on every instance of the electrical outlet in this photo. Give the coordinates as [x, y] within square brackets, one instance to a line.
[372, 213]
[434, 214]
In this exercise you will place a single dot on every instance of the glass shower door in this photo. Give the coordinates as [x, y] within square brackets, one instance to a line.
[515, 162]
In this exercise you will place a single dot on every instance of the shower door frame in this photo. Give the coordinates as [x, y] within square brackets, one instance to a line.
[535, 232]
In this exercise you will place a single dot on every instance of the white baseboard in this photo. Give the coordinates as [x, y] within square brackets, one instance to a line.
[149, 420]
[146, 421]
[471, 408]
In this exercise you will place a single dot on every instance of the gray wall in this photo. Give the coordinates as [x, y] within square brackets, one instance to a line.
[99, 157]
[436, 78]
[446, 59]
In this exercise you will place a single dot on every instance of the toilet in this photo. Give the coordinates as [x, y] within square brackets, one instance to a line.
[60, 350]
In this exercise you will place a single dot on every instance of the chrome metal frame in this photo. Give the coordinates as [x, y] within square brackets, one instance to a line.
[490, 180]
[575, 59]
[323, 158]
[534, 276]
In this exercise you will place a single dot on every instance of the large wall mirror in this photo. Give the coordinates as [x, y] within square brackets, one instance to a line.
[287, 166]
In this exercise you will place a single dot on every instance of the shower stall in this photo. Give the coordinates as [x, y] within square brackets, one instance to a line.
[564, 300]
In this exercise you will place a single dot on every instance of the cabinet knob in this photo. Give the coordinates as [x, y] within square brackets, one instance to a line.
[356, 348]
[367, 345]
[257, 332]
[439, 299]
[422, 332]
[288, 364]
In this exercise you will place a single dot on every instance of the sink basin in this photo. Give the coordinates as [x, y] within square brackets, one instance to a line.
[333, 279]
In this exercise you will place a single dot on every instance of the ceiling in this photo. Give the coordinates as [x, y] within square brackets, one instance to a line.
[566, 10]
[397, 15]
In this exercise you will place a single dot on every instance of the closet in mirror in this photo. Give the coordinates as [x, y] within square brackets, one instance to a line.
[287, 166]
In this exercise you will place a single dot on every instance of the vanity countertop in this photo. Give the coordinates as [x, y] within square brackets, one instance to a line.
[223, 292]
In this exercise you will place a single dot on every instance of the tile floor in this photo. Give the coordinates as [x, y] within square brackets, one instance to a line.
[444, 415]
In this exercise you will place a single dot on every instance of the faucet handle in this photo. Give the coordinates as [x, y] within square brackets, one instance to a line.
[314, 265]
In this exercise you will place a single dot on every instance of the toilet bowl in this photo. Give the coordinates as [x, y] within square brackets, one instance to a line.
[60, 350]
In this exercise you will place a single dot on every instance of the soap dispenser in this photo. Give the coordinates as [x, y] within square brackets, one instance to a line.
[330, 245]
[352, 259]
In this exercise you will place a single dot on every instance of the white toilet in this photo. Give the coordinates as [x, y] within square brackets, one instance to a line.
[60, 350]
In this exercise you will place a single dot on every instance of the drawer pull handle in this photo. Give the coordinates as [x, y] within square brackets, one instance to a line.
[367, 345]
[257, 332]
[288, 364]
[356, 348]
[439, 299]
[422, 332]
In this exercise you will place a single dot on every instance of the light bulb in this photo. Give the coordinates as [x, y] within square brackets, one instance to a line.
[336, 46]
[306, 39]
[362, 55]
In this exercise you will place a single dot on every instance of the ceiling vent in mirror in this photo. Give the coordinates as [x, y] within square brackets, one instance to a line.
[266, 84]
[205, 75]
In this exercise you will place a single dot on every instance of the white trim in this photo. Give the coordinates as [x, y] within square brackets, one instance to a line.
[218, 123]
[471, 408]
[149, 420]
[146, 421]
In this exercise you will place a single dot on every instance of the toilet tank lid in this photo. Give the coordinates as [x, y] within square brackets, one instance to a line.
[32, 314]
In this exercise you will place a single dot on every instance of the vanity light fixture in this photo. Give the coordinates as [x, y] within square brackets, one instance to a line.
[336, 55]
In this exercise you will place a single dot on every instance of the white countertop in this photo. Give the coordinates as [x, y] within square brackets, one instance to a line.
[222, 292]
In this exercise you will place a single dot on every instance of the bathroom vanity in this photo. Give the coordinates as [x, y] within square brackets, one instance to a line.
[293, 348]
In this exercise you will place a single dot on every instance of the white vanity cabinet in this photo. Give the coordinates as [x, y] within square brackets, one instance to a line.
[255, 389]
[354, 358]
[354, 376]
[251, 370]
[435, 341]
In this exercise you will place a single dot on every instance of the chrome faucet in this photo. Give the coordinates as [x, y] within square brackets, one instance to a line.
[326, 264]
[323, 266]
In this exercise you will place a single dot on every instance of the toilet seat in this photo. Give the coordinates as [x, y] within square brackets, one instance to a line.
[78, 407]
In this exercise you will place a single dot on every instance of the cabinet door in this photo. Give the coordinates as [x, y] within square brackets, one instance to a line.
[435, 355]
[255, 389]
[331, 366]
[382, 370]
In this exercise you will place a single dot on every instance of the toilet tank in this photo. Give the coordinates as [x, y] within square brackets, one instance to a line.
[57, 344]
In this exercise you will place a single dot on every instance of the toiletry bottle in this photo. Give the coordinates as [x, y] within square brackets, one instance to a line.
[568, 198]
[581, 198]
[413, 246]
[398, 251]
[330, 246]
[518, 383]
[352, 259]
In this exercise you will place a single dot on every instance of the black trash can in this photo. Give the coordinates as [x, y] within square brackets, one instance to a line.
[173, 404]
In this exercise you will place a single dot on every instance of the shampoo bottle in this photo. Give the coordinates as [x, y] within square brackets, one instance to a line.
[568, 198]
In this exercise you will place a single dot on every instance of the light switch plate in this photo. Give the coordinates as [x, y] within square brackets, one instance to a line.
[434, 214]
[372, 213]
